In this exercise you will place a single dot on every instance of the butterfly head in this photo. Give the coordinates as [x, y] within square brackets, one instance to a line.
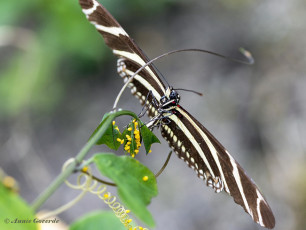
[170, 100]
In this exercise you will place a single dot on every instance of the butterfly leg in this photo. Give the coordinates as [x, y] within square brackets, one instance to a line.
[158, 120]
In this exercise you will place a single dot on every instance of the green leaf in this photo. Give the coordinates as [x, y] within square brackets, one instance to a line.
[128, 175]
[13, 208]
[97, 221]
[148, 137]
[110, 136]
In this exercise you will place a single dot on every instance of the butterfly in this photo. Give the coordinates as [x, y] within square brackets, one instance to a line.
[191, 141]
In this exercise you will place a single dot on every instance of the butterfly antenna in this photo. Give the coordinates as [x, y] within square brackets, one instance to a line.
[157, 70]
[190, 90]
[249, 61]
[160, 74]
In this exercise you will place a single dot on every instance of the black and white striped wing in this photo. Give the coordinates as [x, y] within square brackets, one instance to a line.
[205, 154]
[131, 57]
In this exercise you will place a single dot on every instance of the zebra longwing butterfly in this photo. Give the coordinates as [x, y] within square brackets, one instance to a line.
[189, 138]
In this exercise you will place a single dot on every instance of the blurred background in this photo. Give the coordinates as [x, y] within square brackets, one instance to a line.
[57, 79]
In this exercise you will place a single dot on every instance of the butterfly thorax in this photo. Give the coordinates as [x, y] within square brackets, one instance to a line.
[169, 101]
[166, 106]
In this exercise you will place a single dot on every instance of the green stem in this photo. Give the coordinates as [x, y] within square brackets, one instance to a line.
[41, 199]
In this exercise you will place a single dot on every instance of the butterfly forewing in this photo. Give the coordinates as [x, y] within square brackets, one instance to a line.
[131, 56]
[205, 154]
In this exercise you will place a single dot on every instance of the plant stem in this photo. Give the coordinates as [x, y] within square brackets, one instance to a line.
[41, 199]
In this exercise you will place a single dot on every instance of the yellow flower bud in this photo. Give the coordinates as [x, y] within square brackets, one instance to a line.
[106, 195]
[136, 132]
[85, 169]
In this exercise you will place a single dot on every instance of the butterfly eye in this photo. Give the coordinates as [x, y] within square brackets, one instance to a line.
[173, 95]
[163, 100]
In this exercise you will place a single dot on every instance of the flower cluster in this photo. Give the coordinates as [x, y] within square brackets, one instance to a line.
[131, 139]
[137, 136]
